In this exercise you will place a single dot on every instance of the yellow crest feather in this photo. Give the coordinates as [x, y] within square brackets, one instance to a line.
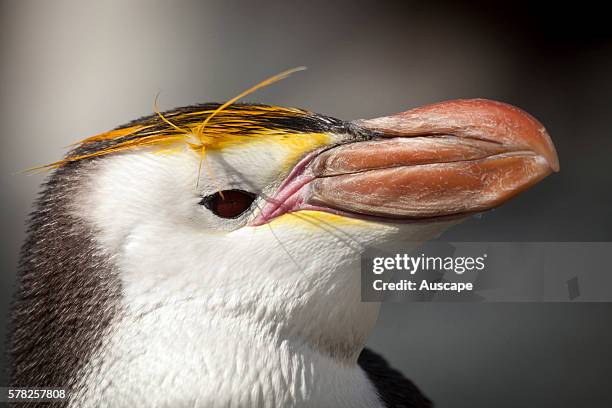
[199, 134]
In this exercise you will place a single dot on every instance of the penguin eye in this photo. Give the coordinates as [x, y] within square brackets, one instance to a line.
[228, 203]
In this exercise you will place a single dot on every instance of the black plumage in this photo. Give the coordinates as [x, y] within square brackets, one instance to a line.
[395, 390]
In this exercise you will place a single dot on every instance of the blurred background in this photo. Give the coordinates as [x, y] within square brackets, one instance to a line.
[71, 69]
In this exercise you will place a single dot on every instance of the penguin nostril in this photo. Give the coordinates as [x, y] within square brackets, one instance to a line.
[228, 203]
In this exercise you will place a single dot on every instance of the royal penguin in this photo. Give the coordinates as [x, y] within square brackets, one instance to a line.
[209, 256]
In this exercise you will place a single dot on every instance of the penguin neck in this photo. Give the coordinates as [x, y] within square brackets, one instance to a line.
[221, 358]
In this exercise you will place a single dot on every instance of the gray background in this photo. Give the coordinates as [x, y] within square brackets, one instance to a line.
[71, 69]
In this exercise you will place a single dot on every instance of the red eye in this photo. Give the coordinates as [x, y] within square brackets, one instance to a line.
[229, 205]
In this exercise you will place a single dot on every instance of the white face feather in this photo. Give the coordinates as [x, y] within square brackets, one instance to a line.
[220, 313]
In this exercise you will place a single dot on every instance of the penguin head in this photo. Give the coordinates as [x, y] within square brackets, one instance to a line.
[264, 212]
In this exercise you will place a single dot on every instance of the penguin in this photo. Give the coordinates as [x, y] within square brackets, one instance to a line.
[208, 256]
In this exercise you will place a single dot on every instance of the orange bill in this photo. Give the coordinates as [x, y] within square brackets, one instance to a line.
[450, 158]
